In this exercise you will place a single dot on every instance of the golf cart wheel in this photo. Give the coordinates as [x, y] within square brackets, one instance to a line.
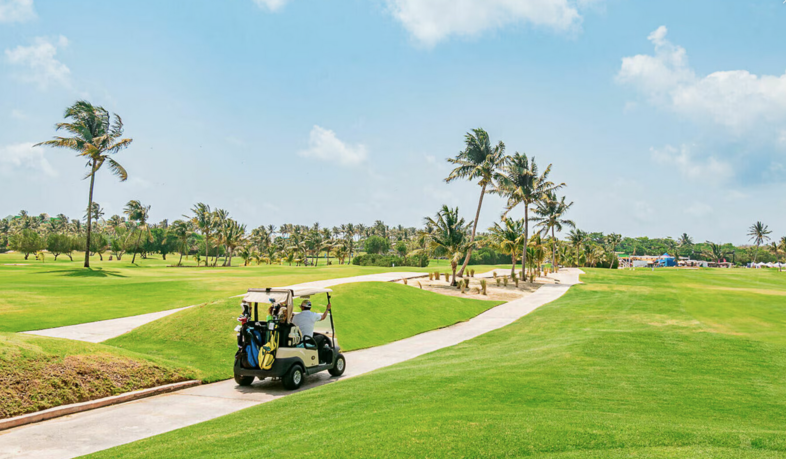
[341, 365]
[243, 380]
[294, 377]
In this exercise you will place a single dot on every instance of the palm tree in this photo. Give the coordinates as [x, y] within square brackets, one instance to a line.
[777, 249]
[550, 214]
[759, 234]
[714, 251]
[521, 183]
[138, 213]
[95, 136]
[203, 220]
[577, 238]
[508, 238]
[612, 241]
[182, 231]
[686, 241]
[478, 161]
[233, 235]
[450, 235]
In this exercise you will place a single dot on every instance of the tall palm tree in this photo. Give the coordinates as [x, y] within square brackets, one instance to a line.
[777, 249]
[508, 238]
[478, 161]
[95, 136]
[203, 220]
[138, 213]
[577, 238]
[550, 217]
[759, 234]
[450, 235]
[714, 251]
[182, 232]
[521, 182]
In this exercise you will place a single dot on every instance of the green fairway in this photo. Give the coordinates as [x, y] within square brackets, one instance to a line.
[37, 373]
[35, 295]
[366, 314]
[671, 363]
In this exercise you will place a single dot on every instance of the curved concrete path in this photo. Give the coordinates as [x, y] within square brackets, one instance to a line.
[96, 332]
[100, 429]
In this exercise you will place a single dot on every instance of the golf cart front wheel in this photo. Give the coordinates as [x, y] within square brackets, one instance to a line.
[243, 380]
[294, 377]
[341, 365]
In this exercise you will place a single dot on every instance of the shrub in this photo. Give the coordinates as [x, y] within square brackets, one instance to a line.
[417, 261]
[471, 273]
[498, 279]
[483, 286]
[447, 277]
[505, 281]
[488, 256]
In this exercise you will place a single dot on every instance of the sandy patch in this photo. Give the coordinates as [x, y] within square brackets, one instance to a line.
[493, 292]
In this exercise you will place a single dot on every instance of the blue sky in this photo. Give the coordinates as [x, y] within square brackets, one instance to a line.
[662, 117]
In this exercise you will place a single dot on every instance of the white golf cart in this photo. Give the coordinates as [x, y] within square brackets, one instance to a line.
[275, 347]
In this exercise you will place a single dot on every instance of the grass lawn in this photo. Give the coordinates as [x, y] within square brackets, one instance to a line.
[37, 373]
[671, 363]
[35, 295]
[366, 314]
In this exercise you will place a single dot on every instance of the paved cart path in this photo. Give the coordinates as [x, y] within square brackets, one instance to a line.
[96, 332]
[103, 428]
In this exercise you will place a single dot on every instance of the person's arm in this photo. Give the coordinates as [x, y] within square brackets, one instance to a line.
[324, 316]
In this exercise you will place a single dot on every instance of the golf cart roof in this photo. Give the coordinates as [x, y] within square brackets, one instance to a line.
[280, 295]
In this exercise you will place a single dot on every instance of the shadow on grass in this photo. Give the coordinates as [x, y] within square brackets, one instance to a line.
[84, 272]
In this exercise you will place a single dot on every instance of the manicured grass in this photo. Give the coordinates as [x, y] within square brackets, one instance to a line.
[38, 295]
[37, 373]
[632, 364]
[366, 314]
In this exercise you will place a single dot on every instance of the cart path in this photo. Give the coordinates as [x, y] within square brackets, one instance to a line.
[104, 428]
[96, 332]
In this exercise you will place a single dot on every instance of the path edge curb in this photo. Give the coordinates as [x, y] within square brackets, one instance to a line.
[65, 410]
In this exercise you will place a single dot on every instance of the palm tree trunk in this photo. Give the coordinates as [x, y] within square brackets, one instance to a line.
[756, 254]
[513, 259]
[180, 261]
[90, 214]
[207, 253]
[136, 248]
[474, 228]
[526, 243]
[554, 266]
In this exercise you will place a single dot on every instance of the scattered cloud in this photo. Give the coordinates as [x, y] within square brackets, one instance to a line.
[689, 165]
[272, 5]
[18, 114]
[431, 21]
[24, 156]
[325, 146]
[735, 99]
[16, 11]
[38, 64]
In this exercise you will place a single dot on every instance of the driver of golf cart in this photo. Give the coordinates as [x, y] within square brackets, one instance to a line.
[306, 319]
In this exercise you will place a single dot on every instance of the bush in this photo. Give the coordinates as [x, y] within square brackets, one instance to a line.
[375, 245]
[387, 261]
[488, 256]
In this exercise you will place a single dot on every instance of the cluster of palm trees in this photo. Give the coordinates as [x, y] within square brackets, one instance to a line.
[517, 179]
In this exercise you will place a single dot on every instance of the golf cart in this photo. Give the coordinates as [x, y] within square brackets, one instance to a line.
[275, 347]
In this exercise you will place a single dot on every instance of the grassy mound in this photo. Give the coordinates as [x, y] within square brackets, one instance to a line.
[653, 365]
[366, 314]
[37, 373]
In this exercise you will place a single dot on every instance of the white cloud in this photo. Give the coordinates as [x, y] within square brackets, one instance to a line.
[272, 5]
[325, 146]
[38, 63]
[16, 11]
[431, 21]
[685, 161]
[24, 156]
[735, 99]
[18, 114]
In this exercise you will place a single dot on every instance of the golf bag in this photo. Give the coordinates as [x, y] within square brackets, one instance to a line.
[252, 343]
